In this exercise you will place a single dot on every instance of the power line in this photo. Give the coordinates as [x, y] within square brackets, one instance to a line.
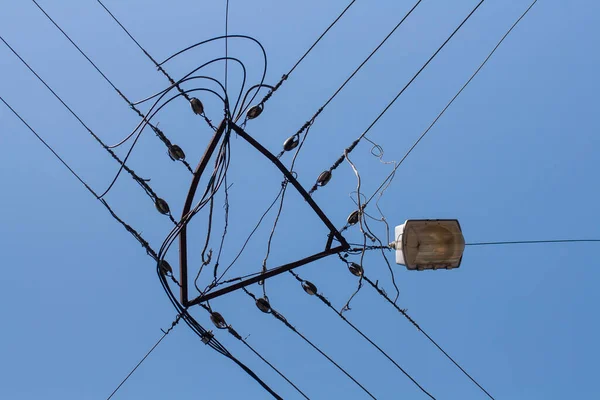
[534, 242]
[412, 321]
[390, 176]
[226, 40]
[286, 76]
[50, 148]
[127, 227]
[320, 110]
[324, 300]
[165, 333]
[158, 66]
[157, 131]
[355, 143]
[282, 319]
[220, 323]
[139, 180]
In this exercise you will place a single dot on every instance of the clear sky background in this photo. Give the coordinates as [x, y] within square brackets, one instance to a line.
[515, 158]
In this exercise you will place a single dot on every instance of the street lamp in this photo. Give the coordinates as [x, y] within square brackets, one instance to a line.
[429, 244]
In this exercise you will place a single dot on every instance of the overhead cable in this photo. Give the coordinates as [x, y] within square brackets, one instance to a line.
[362, 135]
[283, 320]
[220, 323]
[404, 313]
[286, 76]
[135, 177]
[160, 68]
[160, 134]
[165, 333]
[320, 110]
[391, 175]
[326, 302]
[534, 242]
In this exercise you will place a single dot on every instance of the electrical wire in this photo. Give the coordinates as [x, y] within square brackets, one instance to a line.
[286, 76]
[239, 337]
[182, 311]
[535, 242]
[206, 336]
[165, 333]
[132, 231]
[283, 320]
[226, 38]
[320, 110]
[50, 148]
[412, 321]
[147, 54]
[135, 177]
[326, 302]
[160, 134]
[452, 100]
[353, 145]
[245, 37]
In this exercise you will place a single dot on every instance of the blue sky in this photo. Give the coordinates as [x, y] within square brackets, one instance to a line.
[515, 158]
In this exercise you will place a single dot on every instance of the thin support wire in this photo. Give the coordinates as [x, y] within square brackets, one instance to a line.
[165, 333]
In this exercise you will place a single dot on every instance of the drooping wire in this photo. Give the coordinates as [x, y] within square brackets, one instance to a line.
[160, 134]
[139, 180]
[412, 321]
[326, 302]
[391, 103]
[386, 180]
[239, 337]
[308, 123]
[277, 315]
[256, 88]
[165, 333]
[286, 76]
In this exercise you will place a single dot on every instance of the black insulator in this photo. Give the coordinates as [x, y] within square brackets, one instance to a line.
[162, 206]
[355, 269]
[324, 178]
[207, 337]
[176, 153]
[309, 288]
[291, 143]
[197, 106]
[218, 320]
[165, 267]
[263, 305]
[254, 111]
[353, 217]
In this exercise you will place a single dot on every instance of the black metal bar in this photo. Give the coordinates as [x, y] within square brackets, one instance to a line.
[187, 206]
[294, 182]
[269, 274]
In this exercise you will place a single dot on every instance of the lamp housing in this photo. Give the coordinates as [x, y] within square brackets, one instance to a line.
[429, 244]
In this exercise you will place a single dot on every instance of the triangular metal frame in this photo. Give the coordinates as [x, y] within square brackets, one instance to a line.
[333, 231]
